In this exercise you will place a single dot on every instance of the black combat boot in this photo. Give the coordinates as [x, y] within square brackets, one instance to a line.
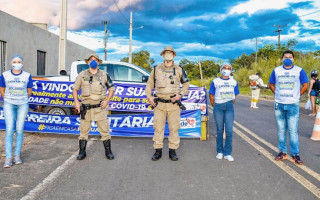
[157, 155]
[107, 147]
[82, 149]
[172, 155]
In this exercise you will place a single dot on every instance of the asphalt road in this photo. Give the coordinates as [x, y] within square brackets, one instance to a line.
[50, 170]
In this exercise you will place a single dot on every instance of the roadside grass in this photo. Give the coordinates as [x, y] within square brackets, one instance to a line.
[206, 82]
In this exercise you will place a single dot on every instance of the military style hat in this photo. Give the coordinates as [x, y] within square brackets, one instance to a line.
[168, 48]
[93, 55]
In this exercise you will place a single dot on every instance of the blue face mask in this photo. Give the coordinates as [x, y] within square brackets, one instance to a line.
[287, 62]
[93, 64]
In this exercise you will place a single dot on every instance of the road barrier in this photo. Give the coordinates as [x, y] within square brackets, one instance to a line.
[316, 128]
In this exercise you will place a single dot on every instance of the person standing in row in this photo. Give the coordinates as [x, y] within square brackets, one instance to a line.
[93, 83]
[166, 79]
[256, 84]
[223, 92]
[313, 92]
[15, 88]
[285, 82]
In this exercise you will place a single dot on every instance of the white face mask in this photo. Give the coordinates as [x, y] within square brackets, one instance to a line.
[168, 56]
[226, 72]
[17, 66]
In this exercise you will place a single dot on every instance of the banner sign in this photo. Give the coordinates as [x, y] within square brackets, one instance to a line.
[120, 125]
[127, 97]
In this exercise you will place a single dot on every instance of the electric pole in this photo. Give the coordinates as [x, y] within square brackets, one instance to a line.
[105, 39]
[256, 57]
[279, 31]
[63, 36]
[130, 39]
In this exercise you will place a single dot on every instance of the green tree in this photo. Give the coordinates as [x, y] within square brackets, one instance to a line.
[190, 67]
[291, 44]
[317, 53]
[141, 59]
[209, 68]
[244, 61]
[268, 51]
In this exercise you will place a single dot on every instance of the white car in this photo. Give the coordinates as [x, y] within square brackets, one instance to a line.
[120, 72]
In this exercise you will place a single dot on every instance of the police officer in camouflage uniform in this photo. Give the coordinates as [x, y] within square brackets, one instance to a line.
[93, 83]
[166, 79]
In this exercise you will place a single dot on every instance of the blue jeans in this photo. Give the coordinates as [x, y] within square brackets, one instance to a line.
[15, 116]
[287, 117]
[224, 116]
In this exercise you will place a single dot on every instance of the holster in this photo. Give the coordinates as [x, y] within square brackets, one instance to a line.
[85, 107]
[83, 111]
[181, 106]
[155, 101]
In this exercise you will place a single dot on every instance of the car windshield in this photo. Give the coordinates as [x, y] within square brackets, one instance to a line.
[117, 72]
[82, 67]
[103, 67]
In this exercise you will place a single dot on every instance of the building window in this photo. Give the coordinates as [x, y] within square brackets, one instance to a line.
[2, 55]
[41, 62]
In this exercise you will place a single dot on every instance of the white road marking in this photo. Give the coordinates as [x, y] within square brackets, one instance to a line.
[299, 178]
[303, 167]
[32, 194]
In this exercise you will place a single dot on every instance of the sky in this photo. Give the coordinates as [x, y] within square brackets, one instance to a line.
[197, 29]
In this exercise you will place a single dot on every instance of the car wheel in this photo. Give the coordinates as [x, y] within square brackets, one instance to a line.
[57, 110]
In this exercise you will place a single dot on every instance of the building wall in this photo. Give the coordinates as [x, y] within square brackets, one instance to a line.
[26, 39]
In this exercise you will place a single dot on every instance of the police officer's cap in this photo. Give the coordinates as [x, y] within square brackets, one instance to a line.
[93, 55]
[168, 48]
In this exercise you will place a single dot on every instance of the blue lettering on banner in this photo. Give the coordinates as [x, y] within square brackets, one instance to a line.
[120, 125]
[127, 97]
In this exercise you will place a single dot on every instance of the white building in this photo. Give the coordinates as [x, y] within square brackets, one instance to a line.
[38, 47]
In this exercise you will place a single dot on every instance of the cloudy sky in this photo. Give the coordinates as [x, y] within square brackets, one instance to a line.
[197, 29]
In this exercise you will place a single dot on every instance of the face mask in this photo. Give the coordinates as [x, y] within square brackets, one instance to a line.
[93, 64]
[168, 56]
[226, 72]
[17, 66]
[287, 62]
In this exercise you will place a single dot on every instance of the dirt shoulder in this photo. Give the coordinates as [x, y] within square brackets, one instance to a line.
[29, 139]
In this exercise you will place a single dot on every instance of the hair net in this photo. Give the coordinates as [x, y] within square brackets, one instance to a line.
[16, 56]
[225, 65]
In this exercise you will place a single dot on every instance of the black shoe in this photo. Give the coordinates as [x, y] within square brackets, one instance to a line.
[82, 149]
[157, 155]
[281, 156]
[296, 159]
[172, 155]
[107, 147]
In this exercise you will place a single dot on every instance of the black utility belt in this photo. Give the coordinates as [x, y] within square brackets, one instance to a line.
[164, 100]
[89, 106]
